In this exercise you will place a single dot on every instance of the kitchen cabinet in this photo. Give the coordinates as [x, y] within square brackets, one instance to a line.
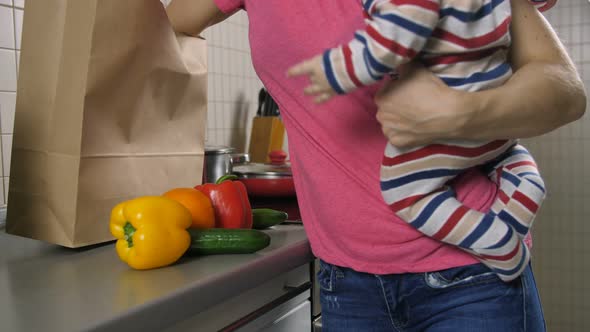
[292, 316]
[279, 305]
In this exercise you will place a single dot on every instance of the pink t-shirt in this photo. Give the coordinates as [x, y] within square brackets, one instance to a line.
[336, 148]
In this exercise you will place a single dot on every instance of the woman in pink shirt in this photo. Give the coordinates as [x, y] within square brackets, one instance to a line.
[378, 274]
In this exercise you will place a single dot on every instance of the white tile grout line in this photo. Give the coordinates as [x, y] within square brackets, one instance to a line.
[15, 43]
[11, 6]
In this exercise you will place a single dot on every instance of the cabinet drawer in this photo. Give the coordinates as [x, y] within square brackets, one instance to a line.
[229, 312]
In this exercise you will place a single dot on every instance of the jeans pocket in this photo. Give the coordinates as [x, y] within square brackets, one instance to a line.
[325, 276]
[460, 276]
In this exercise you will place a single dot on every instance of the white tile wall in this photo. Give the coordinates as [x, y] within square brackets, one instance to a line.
[233, 85]
[7, 70]
[9, 39]
[6, 28]
[561, 248]
[7, 104]
[18, 25]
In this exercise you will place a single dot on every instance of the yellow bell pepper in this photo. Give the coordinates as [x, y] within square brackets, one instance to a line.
[151, 231]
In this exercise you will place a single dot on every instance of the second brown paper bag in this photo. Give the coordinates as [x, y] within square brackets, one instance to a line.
[111, 105]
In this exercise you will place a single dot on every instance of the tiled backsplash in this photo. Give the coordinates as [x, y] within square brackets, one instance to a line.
[561, 248]
[233, 84]
[11, 17]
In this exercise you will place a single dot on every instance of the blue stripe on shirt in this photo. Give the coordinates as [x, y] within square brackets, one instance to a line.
[363, 40]
[514, 152]
[511, 221]
[417, 176]
[518, 266]
[511, 178]
[433, 205]
[375, 64]
[503, 240]
[464, 16]
[371, 63]
[497, 72]
[411, 26]
[531, 181]
[483, 226]
[330, 73]
[367, 5]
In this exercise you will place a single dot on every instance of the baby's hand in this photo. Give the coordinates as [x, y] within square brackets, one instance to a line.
[320, 87]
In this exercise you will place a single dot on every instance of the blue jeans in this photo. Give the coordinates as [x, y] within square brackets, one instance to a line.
[468, 298]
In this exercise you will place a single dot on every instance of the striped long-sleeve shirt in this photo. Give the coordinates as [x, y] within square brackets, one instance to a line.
[464, 42]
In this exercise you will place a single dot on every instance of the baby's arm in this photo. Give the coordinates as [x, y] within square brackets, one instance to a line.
[396, 32]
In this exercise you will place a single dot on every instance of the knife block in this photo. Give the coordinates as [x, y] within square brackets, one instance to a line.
[267, 135]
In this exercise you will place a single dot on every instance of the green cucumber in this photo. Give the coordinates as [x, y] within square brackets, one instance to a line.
[214, 241]
[265, 218]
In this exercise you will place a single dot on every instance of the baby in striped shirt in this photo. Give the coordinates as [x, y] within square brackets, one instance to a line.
[464, 43]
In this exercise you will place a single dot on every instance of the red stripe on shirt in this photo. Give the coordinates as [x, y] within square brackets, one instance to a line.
[476, 42]
[390, 44]
[506, 257]
[503, 197]
[456, 58]
[404, 203]
[349, 66]
[451, 223]
[525, 201]
[521, 163]
[435, 149]
[429, 5]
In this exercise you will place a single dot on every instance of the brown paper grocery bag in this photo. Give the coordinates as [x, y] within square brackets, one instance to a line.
[111, 105]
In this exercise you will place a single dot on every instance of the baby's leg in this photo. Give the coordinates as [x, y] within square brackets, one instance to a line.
[521, 189]
[413, 184]
[491, 240]
[407, 175]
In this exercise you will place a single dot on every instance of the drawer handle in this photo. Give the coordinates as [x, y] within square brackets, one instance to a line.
[292, 292]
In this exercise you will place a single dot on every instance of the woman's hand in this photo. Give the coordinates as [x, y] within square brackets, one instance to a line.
[419, 108]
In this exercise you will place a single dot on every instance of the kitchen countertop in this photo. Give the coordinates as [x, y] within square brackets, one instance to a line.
[46, 287]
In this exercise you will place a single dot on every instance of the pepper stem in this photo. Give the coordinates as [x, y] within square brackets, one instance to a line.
[129, 231]
[226, 177]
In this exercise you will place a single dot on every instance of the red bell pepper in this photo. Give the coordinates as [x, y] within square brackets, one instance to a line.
[230, 202]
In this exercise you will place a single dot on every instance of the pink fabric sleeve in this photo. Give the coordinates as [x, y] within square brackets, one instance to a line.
[229, 6]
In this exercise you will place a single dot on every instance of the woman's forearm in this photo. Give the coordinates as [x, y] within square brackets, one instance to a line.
[544, 93]
[539, 98]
